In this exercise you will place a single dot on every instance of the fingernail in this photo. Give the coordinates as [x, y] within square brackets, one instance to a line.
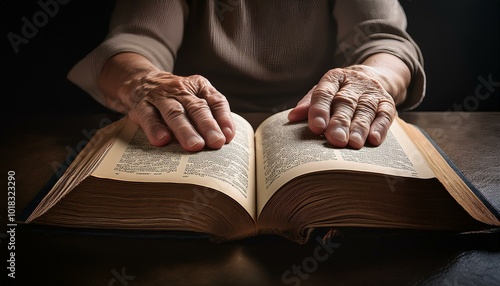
[356, 137]
[193, 140]
[340, 134]
[227, 131]
[214, 136]
[319, 122]
[377, 136]
[161, 134]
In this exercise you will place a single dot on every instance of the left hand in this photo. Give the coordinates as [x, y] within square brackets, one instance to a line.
[349, 106]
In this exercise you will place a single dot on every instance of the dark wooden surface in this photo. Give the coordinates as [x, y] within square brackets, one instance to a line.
[33, 146]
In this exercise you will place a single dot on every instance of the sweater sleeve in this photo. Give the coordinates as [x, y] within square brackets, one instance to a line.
[153, 29]
[368, 27]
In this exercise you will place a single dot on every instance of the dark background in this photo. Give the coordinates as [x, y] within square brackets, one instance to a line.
[460, 40]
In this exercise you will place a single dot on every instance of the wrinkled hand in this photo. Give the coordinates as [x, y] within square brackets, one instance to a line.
[349, 106]
[189, 108]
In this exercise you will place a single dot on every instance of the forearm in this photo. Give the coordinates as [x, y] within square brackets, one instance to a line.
[121, 77]
[392, 73]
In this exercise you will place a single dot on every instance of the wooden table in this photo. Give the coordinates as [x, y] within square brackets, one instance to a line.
[35, 145]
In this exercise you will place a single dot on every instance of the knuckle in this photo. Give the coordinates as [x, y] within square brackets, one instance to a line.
[323, 92]
[342, 116]
[213, 97]
[387, 109]
[322, 98]
[197, 78]
[143, 111]
[203, 117]
[386, 124]
[175, 85]
[195, 104]
[360, 125]
[197, 109]
[367, 105]
[344, 100]
[198, 82]
[364, 118]
[205, 123]
[173, 113]
[336, 74]
[387, 114]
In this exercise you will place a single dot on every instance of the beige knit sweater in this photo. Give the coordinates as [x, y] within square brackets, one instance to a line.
[263, 55]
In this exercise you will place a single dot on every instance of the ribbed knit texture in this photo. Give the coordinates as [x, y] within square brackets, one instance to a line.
[263, 55]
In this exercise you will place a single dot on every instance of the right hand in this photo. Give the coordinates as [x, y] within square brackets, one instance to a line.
[189, 108]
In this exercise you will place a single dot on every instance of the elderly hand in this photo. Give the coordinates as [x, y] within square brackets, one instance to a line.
[189, 108]
[165, 105]
[349, 106]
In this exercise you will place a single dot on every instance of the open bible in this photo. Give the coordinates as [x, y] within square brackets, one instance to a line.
[279, 179]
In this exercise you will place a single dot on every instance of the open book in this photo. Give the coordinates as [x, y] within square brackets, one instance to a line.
[281, 179]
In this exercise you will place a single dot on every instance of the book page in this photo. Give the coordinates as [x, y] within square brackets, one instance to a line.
[230, 169]
[286, 150]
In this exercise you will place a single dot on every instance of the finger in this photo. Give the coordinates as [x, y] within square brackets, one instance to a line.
[301, 110]
[176, 118]
[321, 101]
[148, 118]
[201, 116]
[364, 115]
[221, 112]
[382, 122]
[343, 106]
